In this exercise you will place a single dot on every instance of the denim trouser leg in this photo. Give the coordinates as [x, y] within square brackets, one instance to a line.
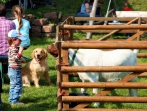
[15, 85]
[80, 14]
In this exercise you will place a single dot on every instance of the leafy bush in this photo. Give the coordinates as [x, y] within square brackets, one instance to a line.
[4, 1]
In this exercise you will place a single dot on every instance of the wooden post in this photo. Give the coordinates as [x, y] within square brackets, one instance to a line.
[65, 76]
[70, 22]
[59, 78]
[139, 23]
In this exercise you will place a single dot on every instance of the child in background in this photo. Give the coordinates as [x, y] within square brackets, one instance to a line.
[15, 61]
[126, 8]
[86, 9]
[23, 26]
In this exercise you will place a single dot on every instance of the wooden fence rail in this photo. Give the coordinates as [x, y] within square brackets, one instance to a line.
[107, 45]
[97, 27]
[104, 99]
[104, 85]
[104, 69]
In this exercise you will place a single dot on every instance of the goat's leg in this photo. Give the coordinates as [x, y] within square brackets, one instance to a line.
[83, 89]
[133, 92]
[95, 91]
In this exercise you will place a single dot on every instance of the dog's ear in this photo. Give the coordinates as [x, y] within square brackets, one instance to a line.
[45, 54]
[33, 53]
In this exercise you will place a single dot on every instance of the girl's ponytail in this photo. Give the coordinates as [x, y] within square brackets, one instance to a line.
[19, 11]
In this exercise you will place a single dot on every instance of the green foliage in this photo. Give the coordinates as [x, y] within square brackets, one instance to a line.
[4, 1]
[70, 7]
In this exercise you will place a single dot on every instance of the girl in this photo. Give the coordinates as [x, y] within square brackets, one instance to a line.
[86, 8]
[23, 26]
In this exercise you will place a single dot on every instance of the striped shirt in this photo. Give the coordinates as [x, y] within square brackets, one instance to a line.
[5, 26]
[13, 59]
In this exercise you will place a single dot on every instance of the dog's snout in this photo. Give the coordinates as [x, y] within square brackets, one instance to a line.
[38, 56]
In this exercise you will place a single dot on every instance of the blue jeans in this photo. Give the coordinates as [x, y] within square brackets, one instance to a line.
[15, 85]
[80, 14]
[3, 57]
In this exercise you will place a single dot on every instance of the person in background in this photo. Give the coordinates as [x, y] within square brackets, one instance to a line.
[5, 26]
[127, 8]
[14, 69]
[48, 2]
[86, 8]
[23, 26]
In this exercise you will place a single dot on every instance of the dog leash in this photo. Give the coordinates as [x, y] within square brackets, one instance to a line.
[73, 57]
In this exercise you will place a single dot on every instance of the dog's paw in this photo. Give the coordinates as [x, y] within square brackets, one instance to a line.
[37, 86]
[26, 85]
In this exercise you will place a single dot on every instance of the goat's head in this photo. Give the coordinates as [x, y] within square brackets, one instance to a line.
[52, 49]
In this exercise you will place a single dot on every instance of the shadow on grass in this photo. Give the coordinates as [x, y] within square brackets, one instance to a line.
[31, 106]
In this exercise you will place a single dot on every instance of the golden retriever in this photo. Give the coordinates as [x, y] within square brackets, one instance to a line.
[36, 68]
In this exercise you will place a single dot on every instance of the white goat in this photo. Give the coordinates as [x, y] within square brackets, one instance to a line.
[96, 57]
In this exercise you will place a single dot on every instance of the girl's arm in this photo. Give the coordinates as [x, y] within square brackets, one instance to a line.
[20, 50]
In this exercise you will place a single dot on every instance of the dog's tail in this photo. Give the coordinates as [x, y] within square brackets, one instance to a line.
[136, 51]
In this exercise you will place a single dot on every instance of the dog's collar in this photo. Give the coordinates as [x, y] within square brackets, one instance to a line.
[73, 57]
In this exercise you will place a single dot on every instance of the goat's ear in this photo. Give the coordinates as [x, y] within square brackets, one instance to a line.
[52, 49]
[49, 47]
[33, 53]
